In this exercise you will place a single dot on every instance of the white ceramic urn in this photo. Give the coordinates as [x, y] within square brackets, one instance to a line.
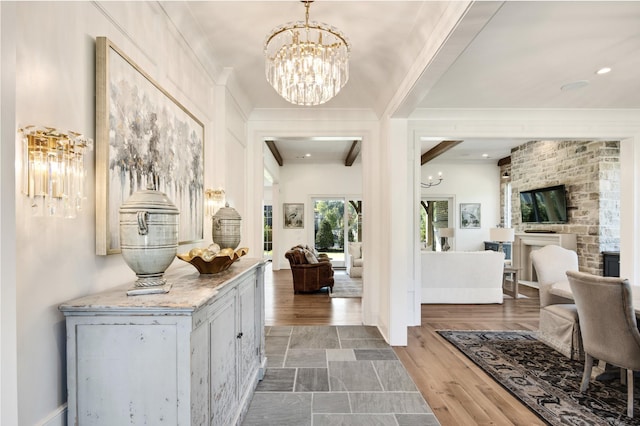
[225, 229]
[149, 238]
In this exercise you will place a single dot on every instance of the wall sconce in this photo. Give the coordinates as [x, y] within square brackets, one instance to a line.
[53, 170]
[432, 182]
[214, 199]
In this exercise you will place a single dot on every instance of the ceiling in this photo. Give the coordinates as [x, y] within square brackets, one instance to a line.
[515, 54]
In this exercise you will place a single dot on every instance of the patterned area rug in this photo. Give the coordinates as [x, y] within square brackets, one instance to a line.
[345, 286]
[544, 380]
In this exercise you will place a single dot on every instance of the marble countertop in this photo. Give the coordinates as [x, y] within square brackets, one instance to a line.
[189, 291]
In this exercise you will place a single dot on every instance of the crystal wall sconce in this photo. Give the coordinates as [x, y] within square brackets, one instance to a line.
[53, 170]
[214, 200]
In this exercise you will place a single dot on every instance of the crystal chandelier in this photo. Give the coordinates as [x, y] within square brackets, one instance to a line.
[307, 62]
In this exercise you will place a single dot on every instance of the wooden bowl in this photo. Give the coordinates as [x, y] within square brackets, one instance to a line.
[220, 262]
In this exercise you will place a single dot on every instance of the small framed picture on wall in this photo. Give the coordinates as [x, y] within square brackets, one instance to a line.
[469, 215]
[293, 215]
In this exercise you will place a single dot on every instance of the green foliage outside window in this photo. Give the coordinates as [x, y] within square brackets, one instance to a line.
[324, 238]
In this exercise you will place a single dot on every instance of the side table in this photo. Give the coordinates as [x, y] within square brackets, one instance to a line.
[510, 281]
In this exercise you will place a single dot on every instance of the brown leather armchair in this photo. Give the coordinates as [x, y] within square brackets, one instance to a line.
[309, 276]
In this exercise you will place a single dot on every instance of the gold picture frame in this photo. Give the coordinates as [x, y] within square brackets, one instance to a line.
[144, 139]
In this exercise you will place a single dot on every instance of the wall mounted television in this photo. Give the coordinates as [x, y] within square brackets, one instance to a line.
[544, 205]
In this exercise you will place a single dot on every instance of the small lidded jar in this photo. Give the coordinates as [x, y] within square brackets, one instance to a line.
[225, 229]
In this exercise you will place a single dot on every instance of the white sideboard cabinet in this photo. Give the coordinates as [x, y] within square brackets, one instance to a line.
[192, 356]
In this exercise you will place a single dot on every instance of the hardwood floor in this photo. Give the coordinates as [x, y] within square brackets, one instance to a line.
[458, 392]
[282, 307]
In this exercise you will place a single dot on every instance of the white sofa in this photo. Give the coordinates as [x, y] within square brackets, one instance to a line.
[462, 277]
[354, 262]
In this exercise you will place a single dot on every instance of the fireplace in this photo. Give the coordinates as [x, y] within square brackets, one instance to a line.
[526, 242]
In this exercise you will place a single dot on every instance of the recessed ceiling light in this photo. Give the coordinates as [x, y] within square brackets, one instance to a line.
[485, 155]
[603, 70]
[307, 155]
[575, 85]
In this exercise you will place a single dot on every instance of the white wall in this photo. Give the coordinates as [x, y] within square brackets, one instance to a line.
[55, 86]
[235, 155]
[299, 183]
[469, 183]
[8, 264]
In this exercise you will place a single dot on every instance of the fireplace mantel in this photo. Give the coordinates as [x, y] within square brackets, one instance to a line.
[524, 243]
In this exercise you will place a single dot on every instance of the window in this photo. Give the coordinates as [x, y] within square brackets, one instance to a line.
[268, 231]
[507, 205]
[435, 213]
[329, 228]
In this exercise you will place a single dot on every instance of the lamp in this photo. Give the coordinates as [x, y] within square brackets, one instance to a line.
[307, 62]
[53, 170]
[501, 235]
[432, 182]
[214, 200]
[445, 233]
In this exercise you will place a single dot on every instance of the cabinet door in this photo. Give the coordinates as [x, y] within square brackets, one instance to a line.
[117, 366]
[248, 342]
[224, 367]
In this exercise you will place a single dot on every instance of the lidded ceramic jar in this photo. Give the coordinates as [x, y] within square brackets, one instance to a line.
[226, 227]
[149, 235]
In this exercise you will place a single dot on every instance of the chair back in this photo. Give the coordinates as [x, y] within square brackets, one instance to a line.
[551, 263]
[607, 318]
[295, 256]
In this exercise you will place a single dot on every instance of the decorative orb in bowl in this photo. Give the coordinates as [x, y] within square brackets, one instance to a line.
[209, 262]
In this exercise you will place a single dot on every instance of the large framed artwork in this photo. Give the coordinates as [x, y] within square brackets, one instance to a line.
[469, 215]
[293, 215]
[145, 139]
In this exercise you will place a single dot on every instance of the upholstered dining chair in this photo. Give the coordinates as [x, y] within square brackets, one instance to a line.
[559, 326]
[608, 325]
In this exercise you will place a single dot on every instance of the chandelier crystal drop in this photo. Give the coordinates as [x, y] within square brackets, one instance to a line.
[307, 62]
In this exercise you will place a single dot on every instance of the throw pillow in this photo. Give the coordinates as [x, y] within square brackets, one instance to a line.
[312, 250]
[311, 258]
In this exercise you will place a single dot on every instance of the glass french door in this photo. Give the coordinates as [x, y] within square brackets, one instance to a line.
[337, 220]
[268, 231]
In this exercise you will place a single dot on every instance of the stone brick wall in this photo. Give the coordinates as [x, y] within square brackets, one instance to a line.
[590, 170]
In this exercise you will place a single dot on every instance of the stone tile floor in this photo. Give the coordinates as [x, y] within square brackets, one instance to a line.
[334, 375]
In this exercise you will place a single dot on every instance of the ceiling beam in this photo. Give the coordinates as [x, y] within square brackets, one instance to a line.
[274, 150]
[354, 151]
[437, 150]
[504, 161]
